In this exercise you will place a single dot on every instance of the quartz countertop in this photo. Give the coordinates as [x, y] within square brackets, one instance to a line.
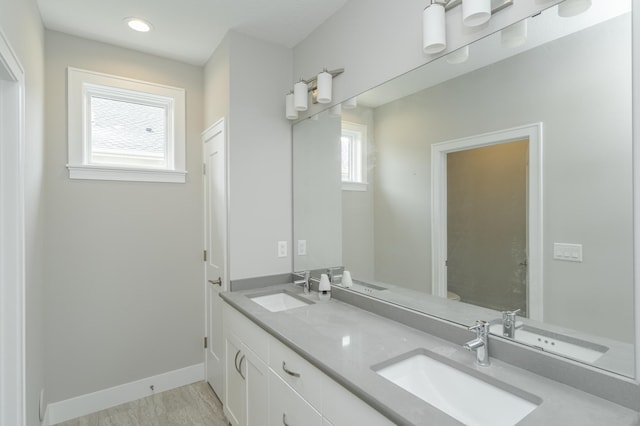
[344, 341]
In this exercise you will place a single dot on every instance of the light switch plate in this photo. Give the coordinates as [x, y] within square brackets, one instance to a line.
[567, 252]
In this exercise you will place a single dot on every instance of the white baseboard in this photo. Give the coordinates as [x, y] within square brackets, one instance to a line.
[90, 403]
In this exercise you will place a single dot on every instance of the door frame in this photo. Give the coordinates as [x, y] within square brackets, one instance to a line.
[532, 132]
[12, 244]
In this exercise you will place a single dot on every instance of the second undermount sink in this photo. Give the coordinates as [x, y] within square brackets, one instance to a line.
[279, 301]
[463, 395]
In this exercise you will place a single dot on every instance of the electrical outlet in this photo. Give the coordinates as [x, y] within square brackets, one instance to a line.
[302, 247]
[282, 249]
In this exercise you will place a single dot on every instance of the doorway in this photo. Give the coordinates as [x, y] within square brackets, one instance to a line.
[490, 258]
[12, 237]
[487, 226]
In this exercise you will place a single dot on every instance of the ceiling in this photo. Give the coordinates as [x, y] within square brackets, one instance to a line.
[187, 30]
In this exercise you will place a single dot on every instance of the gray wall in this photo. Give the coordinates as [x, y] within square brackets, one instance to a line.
[357, 208]
[257, 75]
[586, 167]
[124, 260]
[20, 22]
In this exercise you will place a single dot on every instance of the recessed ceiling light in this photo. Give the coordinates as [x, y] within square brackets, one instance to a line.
[138, 24]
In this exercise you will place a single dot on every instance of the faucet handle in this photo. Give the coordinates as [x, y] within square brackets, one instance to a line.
[480, 327]
[509, 316]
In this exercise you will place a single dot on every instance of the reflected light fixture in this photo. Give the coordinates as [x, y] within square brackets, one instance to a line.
[351, 103]
[434, 37]
[570, 8]
[458, 56]
[514, 35]
[335, 111]
[475, 12]
[139, 24]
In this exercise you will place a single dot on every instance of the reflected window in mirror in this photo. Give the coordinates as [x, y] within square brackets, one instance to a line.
[354, 156]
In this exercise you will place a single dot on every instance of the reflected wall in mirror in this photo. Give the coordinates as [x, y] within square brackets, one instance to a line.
[572, 78]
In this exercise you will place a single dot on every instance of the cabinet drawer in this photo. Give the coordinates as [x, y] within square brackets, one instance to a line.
[286, 407]
[306, 379]
[247, 331]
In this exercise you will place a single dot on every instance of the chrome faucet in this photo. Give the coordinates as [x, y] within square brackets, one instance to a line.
[480, 345]
[509, 325]
[305, 281]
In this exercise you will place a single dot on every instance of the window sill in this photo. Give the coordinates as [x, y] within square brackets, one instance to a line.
[354, 186]
[125, 174]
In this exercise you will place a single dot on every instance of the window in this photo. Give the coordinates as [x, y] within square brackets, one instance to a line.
[123, 129]
[354, 156]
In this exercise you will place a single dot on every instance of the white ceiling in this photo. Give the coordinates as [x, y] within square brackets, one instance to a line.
[187, 30]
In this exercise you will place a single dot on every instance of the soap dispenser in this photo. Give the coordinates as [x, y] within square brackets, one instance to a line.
[324, 288]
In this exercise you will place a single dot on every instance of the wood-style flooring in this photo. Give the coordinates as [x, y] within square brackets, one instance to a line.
[191, 405]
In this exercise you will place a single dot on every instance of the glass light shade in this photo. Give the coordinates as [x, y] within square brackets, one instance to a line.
[350, 103]
[570, 8]
[475, 12]
[291, 112]
[515, 35]
[325, 83]
[434, 37]
[458, 56]
[300, 96]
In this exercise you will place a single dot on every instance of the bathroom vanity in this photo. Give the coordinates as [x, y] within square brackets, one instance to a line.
[297, 360]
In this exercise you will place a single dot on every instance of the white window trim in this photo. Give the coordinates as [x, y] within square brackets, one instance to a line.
[80, 84]
[362, 130]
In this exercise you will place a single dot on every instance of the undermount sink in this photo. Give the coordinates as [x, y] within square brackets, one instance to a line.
[461, 394]
[279, 301]
[578, 349]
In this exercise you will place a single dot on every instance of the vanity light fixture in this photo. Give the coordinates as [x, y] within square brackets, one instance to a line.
[474, 13]
[514, 35]
[139, 24]
[291, 112]
[434, 38]
[300, 95]
[320, 86]
[570, 8]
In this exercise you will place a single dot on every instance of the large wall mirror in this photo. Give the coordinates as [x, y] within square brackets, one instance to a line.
[497, 178]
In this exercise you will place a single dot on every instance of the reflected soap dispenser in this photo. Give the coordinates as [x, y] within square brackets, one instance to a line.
[324, 288]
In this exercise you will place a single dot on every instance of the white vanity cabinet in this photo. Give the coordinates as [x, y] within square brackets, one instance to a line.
[267, 383]
[246, 373]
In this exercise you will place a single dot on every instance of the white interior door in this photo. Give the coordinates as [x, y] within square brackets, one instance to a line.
[215, 198]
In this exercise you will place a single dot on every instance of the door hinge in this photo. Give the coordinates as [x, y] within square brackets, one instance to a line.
[206, 343]
[446, 263]
[204, 168]
[205, 256]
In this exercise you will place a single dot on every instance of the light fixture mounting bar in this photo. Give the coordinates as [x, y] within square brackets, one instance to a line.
[496, 5]
[313, 80]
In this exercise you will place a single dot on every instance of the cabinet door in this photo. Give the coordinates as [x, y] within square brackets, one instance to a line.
[257, 385]
[234, 400]
[286, 406]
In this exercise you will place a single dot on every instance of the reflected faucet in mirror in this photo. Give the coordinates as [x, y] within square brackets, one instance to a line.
[509, 325]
